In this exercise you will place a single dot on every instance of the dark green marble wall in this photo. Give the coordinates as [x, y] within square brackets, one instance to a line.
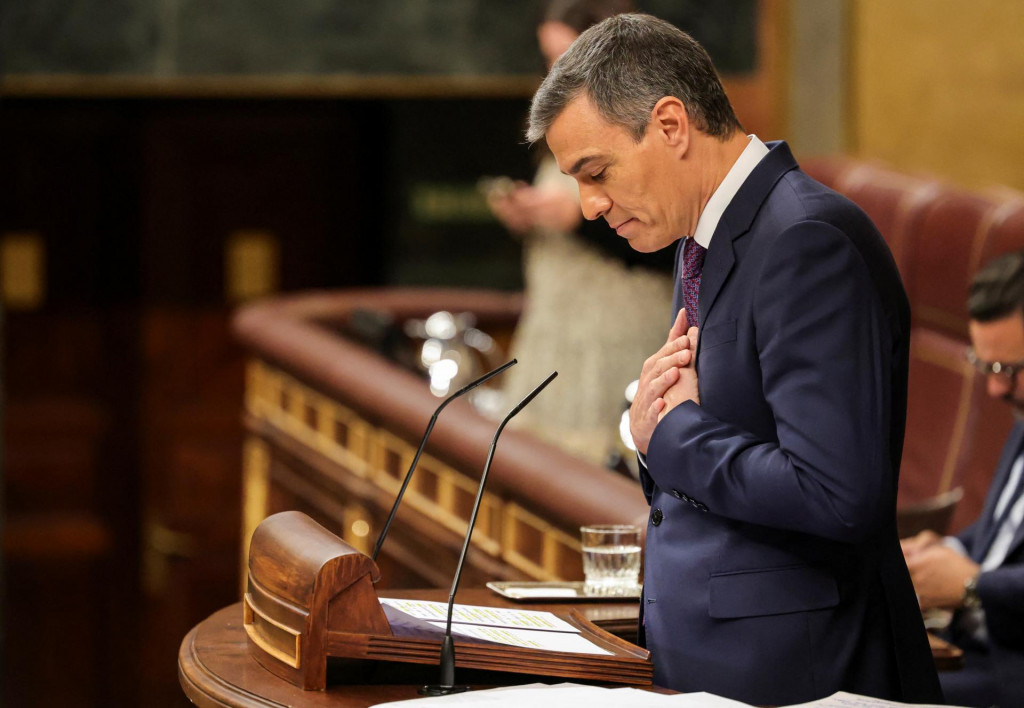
[311, 37]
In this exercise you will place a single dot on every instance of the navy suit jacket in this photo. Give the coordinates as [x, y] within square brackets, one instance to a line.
[1001, 590]
[773, 570]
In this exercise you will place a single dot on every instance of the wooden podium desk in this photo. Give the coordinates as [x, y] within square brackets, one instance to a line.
[216, 670]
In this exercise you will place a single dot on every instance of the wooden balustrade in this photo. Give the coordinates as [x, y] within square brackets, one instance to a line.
[332, 426]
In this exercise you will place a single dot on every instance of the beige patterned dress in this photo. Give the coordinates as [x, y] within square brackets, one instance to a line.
[595, 321]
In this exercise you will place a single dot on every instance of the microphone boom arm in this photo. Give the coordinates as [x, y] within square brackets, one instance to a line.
[423, 443]
[480, 493]
[447, 684]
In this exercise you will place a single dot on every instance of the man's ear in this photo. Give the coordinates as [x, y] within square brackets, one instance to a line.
[670, 123]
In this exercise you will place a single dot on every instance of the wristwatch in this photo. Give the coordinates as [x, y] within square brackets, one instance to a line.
[970, 600]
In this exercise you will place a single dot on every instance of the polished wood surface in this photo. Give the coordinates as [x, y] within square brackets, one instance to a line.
[304, 584]
[334, 441]
[310, 596]
[216, 669]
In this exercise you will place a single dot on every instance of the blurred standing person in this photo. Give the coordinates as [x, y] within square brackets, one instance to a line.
[594, 307]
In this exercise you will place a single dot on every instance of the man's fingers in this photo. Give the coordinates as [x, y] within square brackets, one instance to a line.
[663, 382]
[662, 373]
[667, 349]
[673, 361]
[692, 334]
[660, 409]
[670, 376]
[658, 385]
[679, 327]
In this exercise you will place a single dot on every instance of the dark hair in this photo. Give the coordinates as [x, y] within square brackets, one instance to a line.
[581, 15]
[997, 290]
[625, 65]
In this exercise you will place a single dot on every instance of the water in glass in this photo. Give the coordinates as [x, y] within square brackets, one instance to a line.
[611, 559]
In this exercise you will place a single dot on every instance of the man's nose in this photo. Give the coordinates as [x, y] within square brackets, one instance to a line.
[594, 202]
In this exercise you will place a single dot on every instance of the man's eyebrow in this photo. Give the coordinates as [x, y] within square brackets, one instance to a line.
[579, 164]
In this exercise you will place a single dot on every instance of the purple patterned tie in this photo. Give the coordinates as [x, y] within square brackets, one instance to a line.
[693, 263]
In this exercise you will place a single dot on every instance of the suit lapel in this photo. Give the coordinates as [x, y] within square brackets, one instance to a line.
[1018, 539]
[736, 221]
[718, 263]
[1018, 440]
[677, 290]
[987, 530]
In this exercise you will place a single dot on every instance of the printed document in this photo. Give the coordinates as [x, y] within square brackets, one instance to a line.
[520, 628]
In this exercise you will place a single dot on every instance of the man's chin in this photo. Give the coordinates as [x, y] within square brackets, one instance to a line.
[640, 246]
[647, 243]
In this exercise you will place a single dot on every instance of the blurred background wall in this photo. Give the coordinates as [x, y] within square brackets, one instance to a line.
[934, 87]
[939, 87]
[165, 160]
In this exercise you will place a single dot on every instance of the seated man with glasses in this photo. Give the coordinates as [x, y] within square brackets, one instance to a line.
[980, 572]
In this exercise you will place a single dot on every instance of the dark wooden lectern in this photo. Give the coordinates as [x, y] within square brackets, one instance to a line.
[310, 596]
[306, 588]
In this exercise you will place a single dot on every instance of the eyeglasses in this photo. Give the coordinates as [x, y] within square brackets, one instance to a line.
[999, 368]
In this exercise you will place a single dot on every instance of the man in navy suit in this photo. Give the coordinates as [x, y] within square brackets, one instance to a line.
[771, 422]
[980, 572]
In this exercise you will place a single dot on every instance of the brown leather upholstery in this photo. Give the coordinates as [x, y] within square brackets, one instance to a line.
[946, 248]
[933, 513]
[940, 393]
[940, 235]
[1007, 230]
[895, 202]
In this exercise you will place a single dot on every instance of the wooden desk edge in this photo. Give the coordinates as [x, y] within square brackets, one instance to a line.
[215, 670]
[206, 689]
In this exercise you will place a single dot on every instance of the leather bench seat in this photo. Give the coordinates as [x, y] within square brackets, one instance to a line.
[939, 235]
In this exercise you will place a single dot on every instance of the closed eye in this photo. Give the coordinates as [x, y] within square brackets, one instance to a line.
[599, 176]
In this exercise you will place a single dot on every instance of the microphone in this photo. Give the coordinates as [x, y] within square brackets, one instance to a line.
[423, 443]
[447, 684]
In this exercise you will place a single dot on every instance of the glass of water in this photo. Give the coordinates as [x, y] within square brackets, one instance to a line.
[611, 559]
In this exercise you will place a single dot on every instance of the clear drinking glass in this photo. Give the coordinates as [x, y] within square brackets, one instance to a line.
[611, 559]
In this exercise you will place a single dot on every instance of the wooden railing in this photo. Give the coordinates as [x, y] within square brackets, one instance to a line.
[332, 427]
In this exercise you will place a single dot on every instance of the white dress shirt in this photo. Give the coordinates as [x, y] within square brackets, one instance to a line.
[708, 220]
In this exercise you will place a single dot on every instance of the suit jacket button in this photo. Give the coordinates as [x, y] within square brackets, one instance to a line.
[656, 517]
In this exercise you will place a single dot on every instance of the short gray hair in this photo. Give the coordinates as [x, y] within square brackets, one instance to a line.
[625, 65]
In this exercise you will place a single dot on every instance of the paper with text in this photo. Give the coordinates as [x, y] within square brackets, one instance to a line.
[529, 629]
[527, 638]
[485, 616]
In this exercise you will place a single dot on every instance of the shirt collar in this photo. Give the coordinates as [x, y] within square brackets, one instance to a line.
[734, 179]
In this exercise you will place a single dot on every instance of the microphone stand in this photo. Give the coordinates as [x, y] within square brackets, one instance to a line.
[447, 684]
[423, 443]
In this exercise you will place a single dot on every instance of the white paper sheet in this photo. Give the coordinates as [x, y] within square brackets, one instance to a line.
[528, 638]
[853, 700]
[569, 695]
[485, 616]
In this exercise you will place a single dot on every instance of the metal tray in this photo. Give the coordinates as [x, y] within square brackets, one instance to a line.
[523, 591]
